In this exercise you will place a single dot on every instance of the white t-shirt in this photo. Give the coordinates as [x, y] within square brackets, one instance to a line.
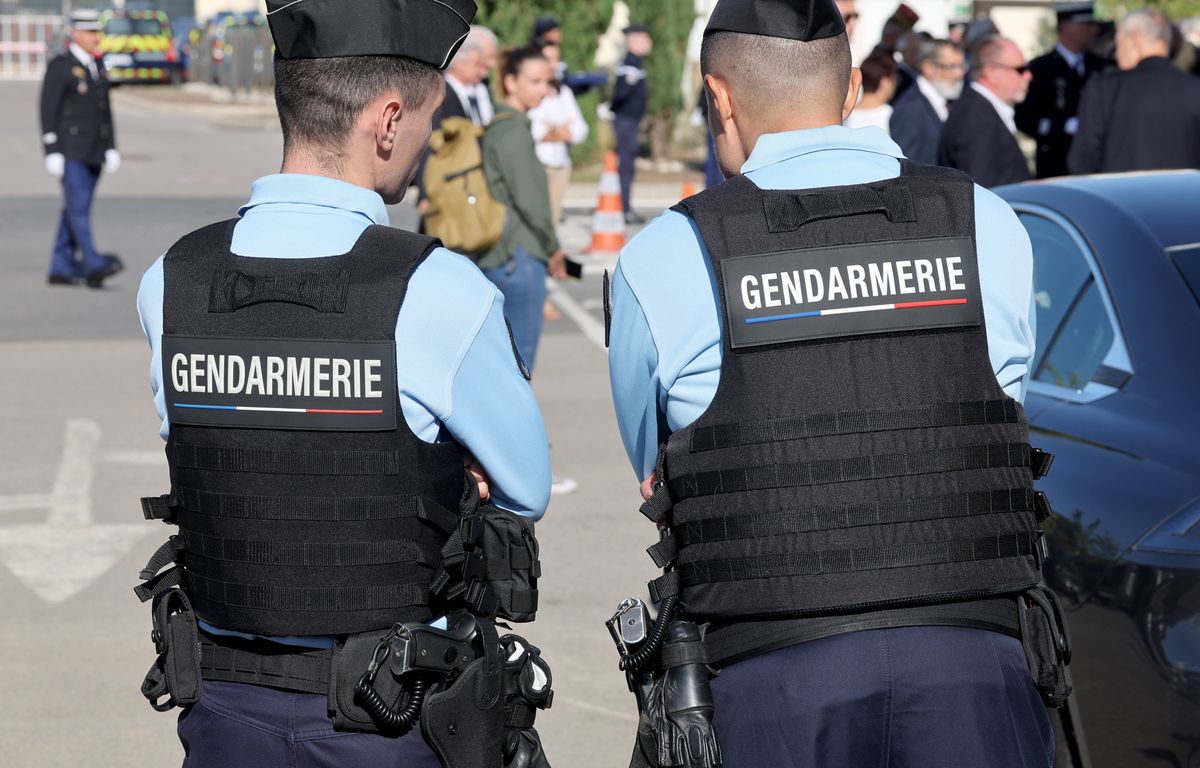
[557, 109]
[878, 117]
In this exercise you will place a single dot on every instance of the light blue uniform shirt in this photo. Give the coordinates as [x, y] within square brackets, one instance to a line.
[665, 353]
[457, 374]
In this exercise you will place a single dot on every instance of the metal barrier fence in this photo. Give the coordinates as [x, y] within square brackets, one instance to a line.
[27, 42]
[236, 57]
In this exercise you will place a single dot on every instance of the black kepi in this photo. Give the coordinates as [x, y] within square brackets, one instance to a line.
[429, 31]
[790, 19]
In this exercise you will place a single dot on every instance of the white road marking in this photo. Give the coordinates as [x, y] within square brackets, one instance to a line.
[59, 558]
[591, 327]
[144, 458]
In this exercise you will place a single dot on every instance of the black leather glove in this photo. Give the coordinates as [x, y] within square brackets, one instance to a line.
[680, 706]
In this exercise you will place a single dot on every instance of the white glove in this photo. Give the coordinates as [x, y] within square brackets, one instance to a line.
[112, 160]
[56, 164]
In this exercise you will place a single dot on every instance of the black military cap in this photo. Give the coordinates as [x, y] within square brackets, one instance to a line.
[803, 21]
[635, 28]
[1066, 12]
[543, 25]
[429, 31]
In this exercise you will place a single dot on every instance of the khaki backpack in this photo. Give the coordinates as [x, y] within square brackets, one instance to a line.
[462, 212]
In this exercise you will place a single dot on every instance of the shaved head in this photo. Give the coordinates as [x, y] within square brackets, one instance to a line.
[773, 77]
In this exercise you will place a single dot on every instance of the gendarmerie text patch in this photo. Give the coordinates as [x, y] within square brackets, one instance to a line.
[851, 290]
[280, 383]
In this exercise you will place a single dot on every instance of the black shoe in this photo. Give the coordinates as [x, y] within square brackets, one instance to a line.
[112, 265]
[63, 280]
[634, 218]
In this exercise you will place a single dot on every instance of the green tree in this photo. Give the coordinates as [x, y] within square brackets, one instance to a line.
[1175, 10]
[670, 23]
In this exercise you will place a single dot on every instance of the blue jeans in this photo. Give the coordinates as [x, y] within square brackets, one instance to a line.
[75, 225]
[523, 282]
[910, 697]
[248, 726]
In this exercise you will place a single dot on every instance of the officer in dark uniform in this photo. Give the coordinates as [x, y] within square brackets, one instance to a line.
[1049, 111]
[817, 369]
[1144, 116]
[337, 396]
[77, 137]
[628, 108]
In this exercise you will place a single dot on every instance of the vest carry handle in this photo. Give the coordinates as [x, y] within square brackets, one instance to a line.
[789, 212]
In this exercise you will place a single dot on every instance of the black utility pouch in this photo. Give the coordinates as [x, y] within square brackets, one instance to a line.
[510, 551]
[1047, 643]
[350, 657]
[174, 679]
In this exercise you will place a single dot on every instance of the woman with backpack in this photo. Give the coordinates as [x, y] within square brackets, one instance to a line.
[529, 250]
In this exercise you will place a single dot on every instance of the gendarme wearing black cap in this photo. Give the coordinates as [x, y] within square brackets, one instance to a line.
[322, 518]
[863, 583]
[802, 21]
[429, 31]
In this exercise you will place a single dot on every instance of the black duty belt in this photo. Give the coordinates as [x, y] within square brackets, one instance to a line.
[262, 662]
[732, 643]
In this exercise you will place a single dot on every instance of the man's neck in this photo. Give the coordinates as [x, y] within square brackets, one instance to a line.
[311, 164]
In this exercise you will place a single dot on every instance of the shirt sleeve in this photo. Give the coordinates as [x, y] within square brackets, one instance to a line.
[633, 375]
[53, 86]
[1006, 280]
[577, 126]
[150, 312]
[458, 372]
[665, 337]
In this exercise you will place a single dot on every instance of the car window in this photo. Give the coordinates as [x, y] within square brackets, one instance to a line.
[1080, 345]
[1074, 333]
[1187, 259]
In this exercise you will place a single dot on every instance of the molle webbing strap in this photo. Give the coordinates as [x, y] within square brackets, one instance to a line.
[738, 433]
[789, 212]
[323, 291]
[316, 508]
[828, 471]
[269, 597]
[808, 519]
[315, 554]
[233, 660]
[265, 460]
[792, 564]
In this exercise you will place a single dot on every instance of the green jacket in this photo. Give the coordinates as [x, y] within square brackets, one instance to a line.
[518, 180]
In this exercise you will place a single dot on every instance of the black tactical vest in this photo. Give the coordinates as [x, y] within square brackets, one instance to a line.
[305, 504]
[858, 454]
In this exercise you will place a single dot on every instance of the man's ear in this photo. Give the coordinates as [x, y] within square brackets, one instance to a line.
[720, 99]
[852, 93]
[385, 113]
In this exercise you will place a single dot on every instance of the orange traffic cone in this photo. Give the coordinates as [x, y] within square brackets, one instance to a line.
[608, 222]
[689, 189]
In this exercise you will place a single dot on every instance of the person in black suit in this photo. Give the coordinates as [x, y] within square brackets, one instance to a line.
[1048, 113]
[1146, 116]
[918, 115]
[78, 139]
[979, 137]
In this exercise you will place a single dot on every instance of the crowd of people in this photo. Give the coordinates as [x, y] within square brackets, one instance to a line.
[1106, 98]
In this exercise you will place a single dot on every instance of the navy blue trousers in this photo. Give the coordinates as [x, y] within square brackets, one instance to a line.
[911, 697]
[75, 225]
[246, 726]
[628, 136]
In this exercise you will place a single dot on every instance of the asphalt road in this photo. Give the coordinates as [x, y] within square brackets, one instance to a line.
[80, 445]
